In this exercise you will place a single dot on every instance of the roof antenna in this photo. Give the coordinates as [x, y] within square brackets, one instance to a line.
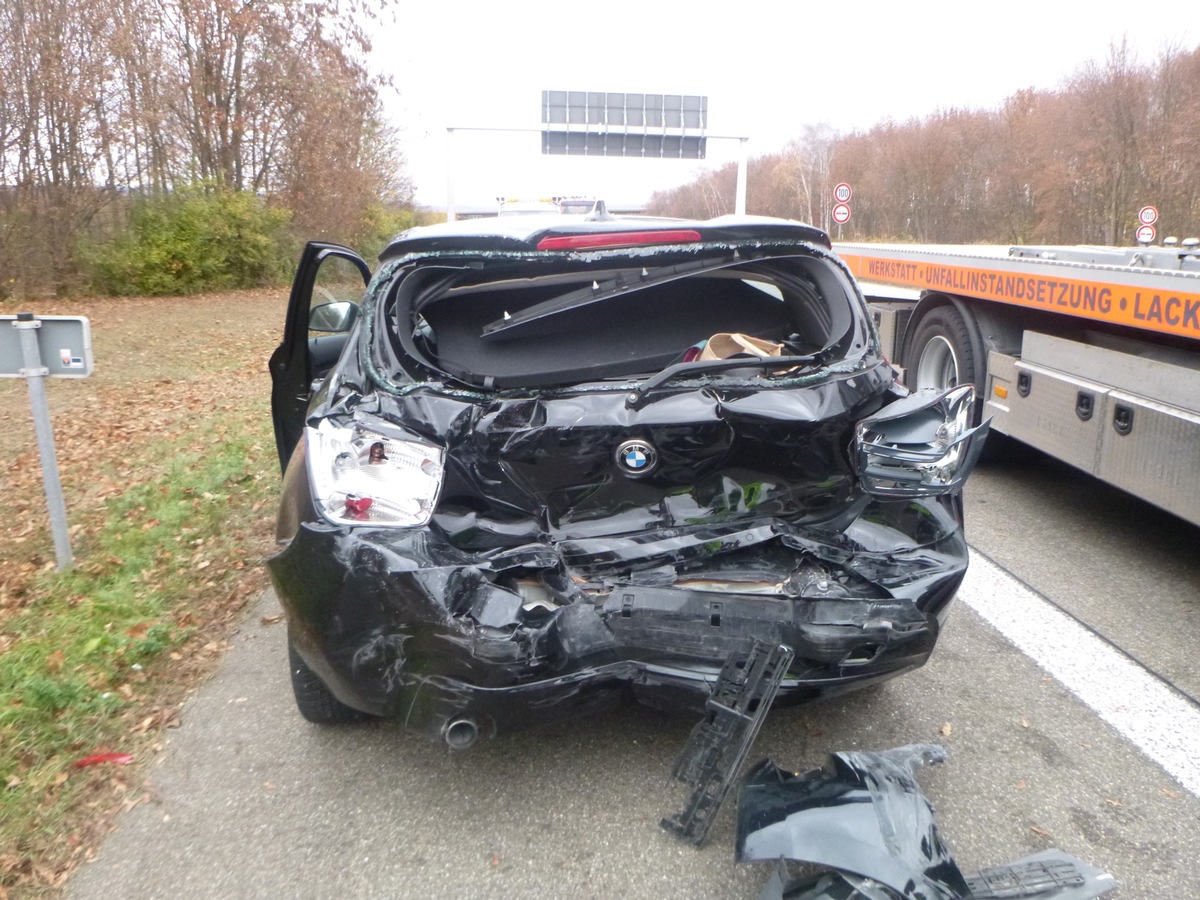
[599, 213]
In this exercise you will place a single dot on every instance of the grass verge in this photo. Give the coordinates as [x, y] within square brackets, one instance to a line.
[172, 485]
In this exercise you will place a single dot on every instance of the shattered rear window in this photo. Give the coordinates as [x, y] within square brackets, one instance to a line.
[545, 320]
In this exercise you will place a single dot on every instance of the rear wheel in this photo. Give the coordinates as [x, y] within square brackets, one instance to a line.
[940, 354]
[314, 700]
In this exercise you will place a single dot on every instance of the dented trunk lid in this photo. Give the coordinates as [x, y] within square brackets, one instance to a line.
[585, 466]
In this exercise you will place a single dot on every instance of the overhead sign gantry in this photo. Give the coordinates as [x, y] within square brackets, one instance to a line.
[605, 124]
[591, 123]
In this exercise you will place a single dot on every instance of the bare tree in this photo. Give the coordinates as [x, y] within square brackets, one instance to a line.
[1067, 165]
[804, 174]
[1107, 113]
[107, 100]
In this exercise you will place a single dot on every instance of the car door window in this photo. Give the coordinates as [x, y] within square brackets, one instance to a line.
[338, 280]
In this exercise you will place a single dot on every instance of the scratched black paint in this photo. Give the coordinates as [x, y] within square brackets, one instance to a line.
[549, 583]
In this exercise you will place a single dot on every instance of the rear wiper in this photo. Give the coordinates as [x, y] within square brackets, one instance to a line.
[603, 290]
[637, 397]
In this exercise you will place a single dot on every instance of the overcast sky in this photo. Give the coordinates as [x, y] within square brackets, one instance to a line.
[768, 68]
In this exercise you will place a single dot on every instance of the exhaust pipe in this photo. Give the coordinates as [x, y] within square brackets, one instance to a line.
[460, 733]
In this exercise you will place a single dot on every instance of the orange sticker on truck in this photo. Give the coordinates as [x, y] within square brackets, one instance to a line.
[1169, 312]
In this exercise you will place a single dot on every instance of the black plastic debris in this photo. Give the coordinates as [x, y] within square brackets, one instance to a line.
[1050, 874]
[863, 816]
[720, 742]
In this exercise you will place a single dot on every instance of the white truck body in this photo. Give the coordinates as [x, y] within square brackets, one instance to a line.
[1090, 354]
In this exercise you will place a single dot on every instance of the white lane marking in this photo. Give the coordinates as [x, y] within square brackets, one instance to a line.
[1145, 711]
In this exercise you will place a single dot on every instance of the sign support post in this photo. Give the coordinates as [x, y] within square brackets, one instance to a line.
[34, 373]
[739, 200]
[450, 216]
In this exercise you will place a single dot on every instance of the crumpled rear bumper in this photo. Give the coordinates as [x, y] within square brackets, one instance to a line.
[403, 624]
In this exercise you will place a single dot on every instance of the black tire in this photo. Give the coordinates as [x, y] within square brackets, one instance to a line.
[940, 353]
[314, 700]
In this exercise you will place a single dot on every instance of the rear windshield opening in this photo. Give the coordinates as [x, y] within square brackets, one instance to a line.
[498, 326]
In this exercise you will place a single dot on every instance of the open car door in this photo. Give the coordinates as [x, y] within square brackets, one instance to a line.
[322, 309]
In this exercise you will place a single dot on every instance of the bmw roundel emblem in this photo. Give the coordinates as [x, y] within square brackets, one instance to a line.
[636, 457]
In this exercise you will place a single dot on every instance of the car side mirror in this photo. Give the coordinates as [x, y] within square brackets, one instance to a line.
[337, 317]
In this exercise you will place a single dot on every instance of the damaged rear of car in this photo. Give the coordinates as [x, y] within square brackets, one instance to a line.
[559, 465]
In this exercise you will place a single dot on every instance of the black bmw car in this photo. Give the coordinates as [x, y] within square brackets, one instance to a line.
[546, 464]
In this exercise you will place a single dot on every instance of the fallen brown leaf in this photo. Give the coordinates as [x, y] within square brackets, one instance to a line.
[48, 876]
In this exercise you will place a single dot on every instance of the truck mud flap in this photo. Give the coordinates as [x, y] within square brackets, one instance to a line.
[719, 744]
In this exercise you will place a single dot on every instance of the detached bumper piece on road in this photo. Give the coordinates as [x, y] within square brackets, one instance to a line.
[863, 816]
[720, 742]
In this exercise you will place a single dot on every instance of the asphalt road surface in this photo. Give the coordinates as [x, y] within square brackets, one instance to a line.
[1060, 688]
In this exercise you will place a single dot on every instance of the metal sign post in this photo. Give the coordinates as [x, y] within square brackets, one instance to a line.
[841, 214]
[70, 336]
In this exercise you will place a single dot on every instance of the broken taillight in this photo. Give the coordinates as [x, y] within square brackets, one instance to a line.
[920, 445]
[361, 476]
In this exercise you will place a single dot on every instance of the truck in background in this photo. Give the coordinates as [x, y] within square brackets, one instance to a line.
[516, 206]
[568, 206]
[1089, 354]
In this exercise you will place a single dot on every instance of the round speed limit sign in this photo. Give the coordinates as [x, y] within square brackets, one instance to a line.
[841, 214]
[1147, 215]
[842, 193]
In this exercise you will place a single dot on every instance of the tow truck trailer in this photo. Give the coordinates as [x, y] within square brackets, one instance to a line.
[1089, 354]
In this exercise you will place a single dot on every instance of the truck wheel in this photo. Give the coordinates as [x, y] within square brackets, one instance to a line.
[315, 701]
[940, 356]
[940, 353]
